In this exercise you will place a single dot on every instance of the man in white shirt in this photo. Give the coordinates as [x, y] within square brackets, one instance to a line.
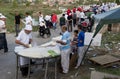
[24, 39]
[3, 40]
[28, 20]
[82, 15]
[48, 19]
[78, 15]
[66, 16]
[41, 20]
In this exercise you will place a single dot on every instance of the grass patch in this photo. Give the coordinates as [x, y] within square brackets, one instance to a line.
[114, 71]
[85, 77]
[9, 11]
[112, 39]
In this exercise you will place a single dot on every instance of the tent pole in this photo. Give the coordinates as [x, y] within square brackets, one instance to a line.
[86, 50]
[84, 55]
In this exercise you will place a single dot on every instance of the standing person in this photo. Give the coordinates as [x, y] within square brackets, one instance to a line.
[68, 11]
[28, 20]
[74, 17]
[48, 20]
[91, 19]
[24, 39]
[66, 15]
[62, 20]
[17, 23]
[79, 9]
[74, 42]
[65, 49]
[81, 37]
[40, 14]
[54, 20]
[42, 25]
[73, 55]
[78, 16]
[69, 19]
[74, 10]
[82, 15]
[40, 18]
[3, 34]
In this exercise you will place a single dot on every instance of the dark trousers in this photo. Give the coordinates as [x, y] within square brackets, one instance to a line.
[70, 27]
[17, 29]
[48, 24]
[3, 41]
[74, 22]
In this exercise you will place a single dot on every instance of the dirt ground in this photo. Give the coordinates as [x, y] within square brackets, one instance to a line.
[8, 62]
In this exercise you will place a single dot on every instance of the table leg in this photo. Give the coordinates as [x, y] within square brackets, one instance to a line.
[46, 69]
[29, 67]
[55, 68]
[17, 67]
[43, 63]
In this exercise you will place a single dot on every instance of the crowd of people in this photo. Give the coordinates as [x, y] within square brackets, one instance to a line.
[77, 17]
[83, 19]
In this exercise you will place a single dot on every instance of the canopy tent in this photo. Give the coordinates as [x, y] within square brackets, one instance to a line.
[109, 17]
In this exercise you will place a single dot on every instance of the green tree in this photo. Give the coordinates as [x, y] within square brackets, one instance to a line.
[15, 3]
[117, 1]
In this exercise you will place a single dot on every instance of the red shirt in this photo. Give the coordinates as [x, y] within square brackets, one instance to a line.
[68, 11]
[79, 9]
[54, 18]
[74, 10]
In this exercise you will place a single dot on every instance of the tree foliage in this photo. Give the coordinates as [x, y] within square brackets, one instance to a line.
[117, 1]
[15, 3]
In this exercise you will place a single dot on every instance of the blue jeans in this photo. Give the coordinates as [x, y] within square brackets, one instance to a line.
[54, 25]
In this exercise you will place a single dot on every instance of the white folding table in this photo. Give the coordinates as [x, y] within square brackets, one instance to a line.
[39, 52]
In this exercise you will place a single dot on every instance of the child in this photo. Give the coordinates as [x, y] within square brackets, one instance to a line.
[73, 55]
[74, 42]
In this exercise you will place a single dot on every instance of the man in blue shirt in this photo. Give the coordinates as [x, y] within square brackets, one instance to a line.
[65, 49]
[81, 37]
